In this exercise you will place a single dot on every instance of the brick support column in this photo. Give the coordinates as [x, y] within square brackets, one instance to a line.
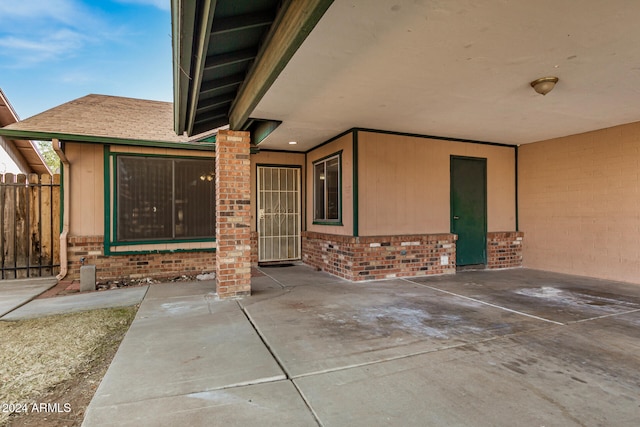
[233, 214]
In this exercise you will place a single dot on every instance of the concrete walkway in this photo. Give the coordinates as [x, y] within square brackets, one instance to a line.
[123, 297]
[15, 293]
[515, 347]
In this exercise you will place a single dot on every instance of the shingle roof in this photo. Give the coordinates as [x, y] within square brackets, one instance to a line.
[107, 117]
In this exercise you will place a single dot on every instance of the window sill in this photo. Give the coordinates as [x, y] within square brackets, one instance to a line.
[162, 242]
[160, 246]
[337, 223]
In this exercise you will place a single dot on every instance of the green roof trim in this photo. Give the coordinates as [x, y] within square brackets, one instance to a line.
[48, 136]
[212, 139]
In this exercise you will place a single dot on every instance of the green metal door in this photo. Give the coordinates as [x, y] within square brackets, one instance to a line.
[469, 209]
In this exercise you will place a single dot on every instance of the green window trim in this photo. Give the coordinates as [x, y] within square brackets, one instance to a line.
[111, 209]
[156, 251]
[327, 190]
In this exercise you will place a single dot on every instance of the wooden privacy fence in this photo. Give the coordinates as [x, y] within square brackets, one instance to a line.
[30, 225]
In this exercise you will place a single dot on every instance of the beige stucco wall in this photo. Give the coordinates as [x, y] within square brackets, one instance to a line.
[344, 143]
[403, 184]
[580, 203]
[275, 158]
[87, 184]
[86, 194]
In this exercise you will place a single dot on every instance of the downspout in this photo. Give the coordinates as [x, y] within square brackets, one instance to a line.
[66, 180]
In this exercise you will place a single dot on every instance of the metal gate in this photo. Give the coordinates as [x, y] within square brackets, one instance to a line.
[29, 226]
[278, 213]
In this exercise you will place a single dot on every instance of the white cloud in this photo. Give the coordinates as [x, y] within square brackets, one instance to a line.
[38, 48]
[35, 31]
[69, 12]
[160, 4]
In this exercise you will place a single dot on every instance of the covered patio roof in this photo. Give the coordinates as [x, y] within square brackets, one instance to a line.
[227, 53]
[459, 69]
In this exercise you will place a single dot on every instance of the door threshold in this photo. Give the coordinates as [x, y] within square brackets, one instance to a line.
[471, 267]
[268, 264]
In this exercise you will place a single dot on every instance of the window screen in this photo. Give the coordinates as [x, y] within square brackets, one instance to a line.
[326, 187]
[164, 199]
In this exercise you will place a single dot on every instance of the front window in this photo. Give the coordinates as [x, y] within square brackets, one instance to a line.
[326, 190]
[164, 199]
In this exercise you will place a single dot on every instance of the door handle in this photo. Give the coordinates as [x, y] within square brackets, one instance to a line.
[456, 217]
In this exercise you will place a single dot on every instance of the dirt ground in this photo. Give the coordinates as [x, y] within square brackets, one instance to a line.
[69, 399]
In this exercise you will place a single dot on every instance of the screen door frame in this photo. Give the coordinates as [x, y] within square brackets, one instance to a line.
[279, 233]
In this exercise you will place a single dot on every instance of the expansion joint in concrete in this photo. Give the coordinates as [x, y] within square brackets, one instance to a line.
[280, 364]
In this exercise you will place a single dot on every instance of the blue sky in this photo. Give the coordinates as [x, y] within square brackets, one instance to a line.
[53, 51]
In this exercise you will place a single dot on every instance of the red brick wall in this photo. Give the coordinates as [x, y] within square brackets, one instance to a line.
[371, 258]
[116, 267]
[254, 248]
[233, 214]
[504, 249]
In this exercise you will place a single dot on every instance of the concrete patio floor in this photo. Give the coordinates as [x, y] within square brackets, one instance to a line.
[483, 348]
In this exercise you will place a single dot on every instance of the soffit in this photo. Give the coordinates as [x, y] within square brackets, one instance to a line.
[460, 69]
[218, 43]
[22, 151]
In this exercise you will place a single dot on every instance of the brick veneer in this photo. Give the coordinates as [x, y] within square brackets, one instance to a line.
[233, 214]
[504, 249]
[382, 257]
[117, 267]
[254, 248]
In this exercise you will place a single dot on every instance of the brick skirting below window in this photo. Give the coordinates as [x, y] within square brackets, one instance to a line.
[504, 249]
[117, 267]
[380, 257]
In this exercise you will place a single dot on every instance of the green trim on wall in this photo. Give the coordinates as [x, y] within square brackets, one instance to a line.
[328, 223]
[109, 221]
[166, 156]
[338, 221]
[48, 136]
[168, 251]
[337, 153]
[306, 191]
[269, 150]
[355, 183]
[162, 241]
[517, 201]
[329, 141]
[442, 138]
[107, 201]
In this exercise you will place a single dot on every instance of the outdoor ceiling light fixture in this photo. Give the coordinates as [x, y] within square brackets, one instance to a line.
[544, 85]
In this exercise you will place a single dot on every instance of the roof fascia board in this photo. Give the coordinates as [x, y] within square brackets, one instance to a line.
[48, 136]
[183, 14]
[200, 52]
[9, 146]
[293, 24]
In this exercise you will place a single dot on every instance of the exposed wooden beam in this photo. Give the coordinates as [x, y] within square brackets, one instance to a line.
[217, 61]
[242, 22]
[216, 101]
[214, 114]
[210, 124]
[292, 26]
[223, 83]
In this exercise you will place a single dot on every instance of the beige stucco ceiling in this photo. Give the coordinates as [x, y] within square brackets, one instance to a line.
[460, 69]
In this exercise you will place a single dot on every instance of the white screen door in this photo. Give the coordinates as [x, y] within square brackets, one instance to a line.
[278, 213]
